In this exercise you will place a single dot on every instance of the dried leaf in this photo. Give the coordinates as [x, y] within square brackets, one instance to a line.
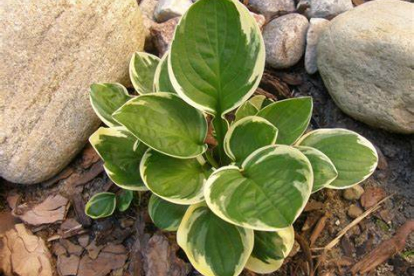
[23, 254]
[52, 209]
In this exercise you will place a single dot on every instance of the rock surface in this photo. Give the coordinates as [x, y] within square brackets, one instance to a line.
[284, 39]
[167, 9]
[271, 8]
[328, 8]
[366, 61]
[353, 193]
[50, 53]
[354, 211]
[147, 9]
[316, 26]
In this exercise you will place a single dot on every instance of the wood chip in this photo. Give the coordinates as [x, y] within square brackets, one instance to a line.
[83, 240]
[112, 257]
[68, 171]
[314, 205]
[319, 228]
[13, 199]
[52, 209]
[72, 248]
[274, 85]
[371, 196]
[136, 263]
[385, 250]
[89, 157]
[79, 207]
[22, 253]
[7, 222]
[94, 250]
[67, 266]
[160, 258]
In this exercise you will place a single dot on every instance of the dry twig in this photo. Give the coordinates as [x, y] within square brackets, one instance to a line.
[385, 250]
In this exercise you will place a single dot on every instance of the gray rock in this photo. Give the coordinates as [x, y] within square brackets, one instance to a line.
[270, 8]
[316, 26]
[328, 8]
[284, 39]
[147, 9]
[50, 53]
[366, 60]
[353, 193]
[167, 9]
[162, 35]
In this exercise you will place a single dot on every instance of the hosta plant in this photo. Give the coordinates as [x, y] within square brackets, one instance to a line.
[231, 188]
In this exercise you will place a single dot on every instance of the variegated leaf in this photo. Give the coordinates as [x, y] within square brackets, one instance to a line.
[166, 215]
[124, 199]
[106, 98]
[165, 123]
[122, 154]
[353, 156]
[213, 246]
[162, 80]
[101, 205]
[291, 117]
[180, 181]
[141, 71]
[324, 171]
[267, 193]
[247, 135]
[220, 66]
[250, 107]
[270, 249]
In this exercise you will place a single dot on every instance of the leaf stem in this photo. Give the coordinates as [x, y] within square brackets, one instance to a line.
[220, 127]
[211, 160]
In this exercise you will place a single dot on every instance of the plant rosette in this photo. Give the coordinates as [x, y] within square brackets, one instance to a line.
[232, 204]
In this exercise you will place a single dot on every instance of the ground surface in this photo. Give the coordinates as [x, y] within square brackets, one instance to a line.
[129, 244]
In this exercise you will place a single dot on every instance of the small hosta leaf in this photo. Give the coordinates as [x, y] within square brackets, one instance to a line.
[122, 154]
[247, 135]
[162, 80]
[268, 193]
[213, 246]
[215, 69]
[180, 181]
[165, 123]
[141, 71]
[124, 199]
[291, 117]
[101, 205]
[250, 107]
[324, 171]
[166, 215]
[270, 249]
[354, 157]
[106, 98]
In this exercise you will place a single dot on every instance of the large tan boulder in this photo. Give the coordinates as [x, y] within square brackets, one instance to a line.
[366, 60]
[50, 52]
